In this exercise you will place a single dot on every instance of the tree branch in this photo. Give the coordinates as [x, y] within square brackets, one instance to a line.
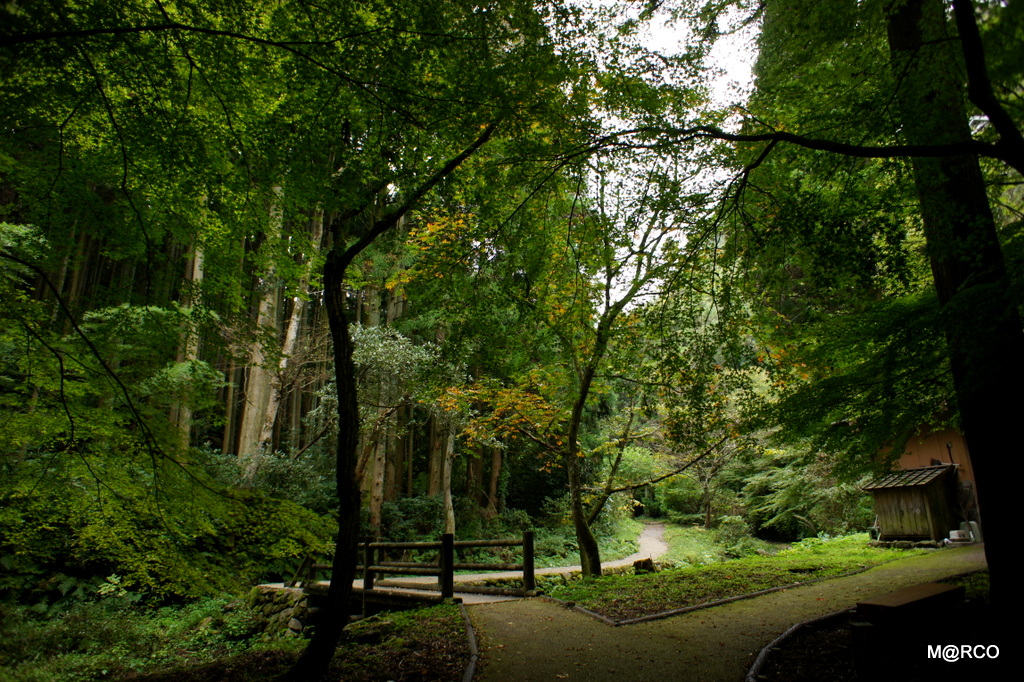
[392, 218]
[661, 138]
[675, 472]
[979, 86]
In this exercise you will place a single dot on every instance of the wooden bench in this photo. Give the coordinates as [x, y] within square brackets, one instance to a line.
[910, 602]
[889, 631]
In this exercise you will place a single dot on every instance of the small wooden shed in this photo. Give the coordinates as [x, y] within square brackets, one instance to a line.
[916, 504]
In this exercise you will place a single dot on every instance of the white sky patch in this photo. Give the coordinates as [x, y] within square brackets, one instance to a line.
[731, 61]
[728, 75]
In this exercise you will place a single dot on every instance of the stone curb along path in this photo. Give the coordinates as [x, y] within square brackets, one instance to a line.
[536, 639]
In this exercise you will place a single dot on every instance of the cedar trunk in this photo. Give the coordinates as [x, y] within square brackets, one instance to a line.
[983, 328]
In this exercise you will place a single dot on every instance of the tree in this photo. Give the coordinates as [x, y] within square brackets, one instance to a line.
[978, 304]
[603, 250]
[280, 113]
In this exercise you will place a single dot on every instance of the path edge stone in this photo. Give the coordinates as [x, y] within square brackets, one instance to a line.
[762, 656]
[474, 651]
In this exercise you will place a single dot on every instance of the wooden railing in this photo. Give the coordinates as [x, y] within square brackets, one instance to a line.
[443, 568]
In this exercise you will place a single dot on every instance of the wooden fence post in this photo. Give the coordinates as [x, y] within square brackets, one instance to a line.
[447, 566]
[529, 579]
[367, 563]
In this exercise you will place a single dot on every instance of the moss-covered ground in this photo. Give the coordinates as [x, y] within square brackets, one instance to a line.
[624, 597]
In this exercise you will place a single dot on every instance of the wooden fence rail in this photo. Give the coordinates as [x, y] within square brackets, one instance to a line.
[444, 569]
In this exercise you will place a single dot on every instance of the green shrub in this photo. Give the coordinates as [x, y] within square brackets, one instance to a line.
[413, 519]
[164, 534]
[113, 636]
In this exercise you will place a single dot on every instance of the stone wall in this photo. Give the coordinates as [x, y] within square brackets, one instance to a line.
[284, 611]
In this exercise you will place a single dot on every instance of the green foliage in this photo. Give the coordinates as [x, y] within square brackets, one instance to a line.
[734, 533]
[691, 545]
[306, 481]
[680, 499]
[413, 519]
[793, 496]
[864, 381]
[90, 513]
[108, 637]
[829, 250]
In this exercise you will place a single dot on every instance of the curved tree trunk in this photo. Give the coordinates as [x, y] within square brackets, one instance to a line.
[590, 555]
[317, 655]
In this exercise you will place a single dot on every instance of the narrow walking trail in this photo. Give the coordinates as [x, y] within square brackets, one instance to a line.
[650, 545]
[534, 639]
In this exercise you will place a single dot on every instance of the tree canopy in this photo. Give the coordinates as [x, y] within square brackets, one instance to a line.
[313, 260]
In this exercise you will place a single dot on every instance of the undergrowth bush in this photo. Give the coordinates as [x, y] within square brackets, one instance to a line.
[111, 636]
[168, 535]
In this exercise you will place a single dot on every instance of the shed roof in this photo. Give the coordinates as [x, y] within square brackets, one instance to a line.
[910, 477]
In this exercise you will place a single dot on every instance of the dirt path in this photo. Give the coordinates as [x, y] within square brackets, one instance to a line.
[650, 544]
[535, 639]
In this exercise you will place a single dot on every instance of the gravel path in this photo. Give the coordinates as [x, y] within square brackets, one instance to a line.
[535, 639]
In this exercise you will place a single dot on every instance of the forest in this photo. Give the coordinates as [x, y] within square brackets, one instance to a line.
[279, 275]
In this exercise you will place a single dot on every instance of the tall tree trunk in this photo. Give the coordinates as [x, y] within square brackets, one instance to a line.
[317, 655]
[260, 377]
[181, 413]
[493, 504]
[291, 337]
[397, 455]
[378, 471]
[706, 499]
[590, 555]
[410, 450]
[983, 328]
[373, 442]
[449, 456]
[435, 465]
[475, 476]
[228, 439]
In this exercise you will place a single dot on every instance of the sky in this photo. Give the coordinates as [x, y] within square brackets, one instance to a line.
[732, 56]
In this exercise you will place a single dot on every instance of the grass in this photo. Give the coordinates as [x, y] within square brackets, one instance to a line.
[218, 640]
[633, 596]
[557, 546]
[692, 545]
[622, 542]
